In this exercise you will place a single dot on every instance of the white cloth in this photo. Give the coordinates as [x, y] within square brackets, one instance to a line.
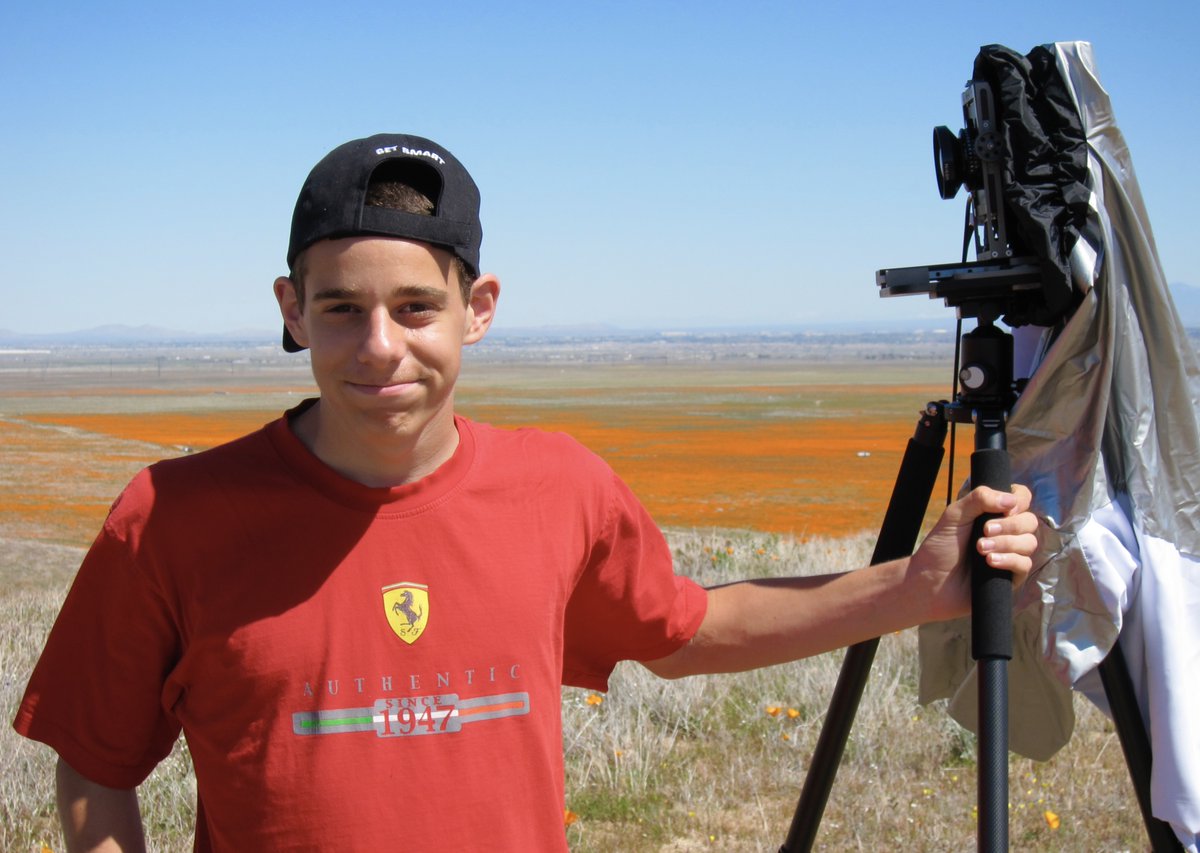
[1159, 593]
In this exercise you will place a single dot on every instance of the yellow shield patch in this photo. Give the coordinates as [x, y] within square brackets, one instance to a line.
[406, 606]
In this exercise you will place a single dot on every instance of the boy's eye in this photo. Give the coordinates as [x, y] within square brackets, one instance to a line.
[416, 308]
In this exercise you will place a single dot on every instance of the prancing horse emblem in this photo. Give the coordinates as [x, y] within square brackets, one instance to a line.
[406, 606]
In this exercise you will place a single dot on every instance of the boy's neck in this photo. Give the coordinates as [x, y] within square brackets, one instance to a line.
[381, 460]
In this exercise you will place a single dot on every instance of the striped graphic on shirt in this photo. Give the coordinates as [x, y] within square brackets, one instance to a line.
[444, 713]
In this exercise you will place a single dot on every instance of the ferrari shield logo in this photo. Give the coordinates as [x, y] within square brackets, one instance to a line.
[406, 606]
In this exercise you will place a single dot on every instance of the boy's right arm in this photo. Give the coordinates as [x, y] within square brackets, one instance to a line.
[96, 818]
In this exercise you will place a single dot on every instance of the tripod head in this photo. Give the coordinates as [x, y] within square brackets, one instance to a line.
[985, 378]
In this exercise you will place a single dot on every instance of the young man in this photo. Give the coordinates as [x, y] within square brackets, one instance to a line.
[360, 616]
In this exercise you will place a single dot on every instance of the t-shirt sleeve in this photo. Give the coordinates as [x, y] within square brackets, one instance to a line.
[628, 604]
[96, 695]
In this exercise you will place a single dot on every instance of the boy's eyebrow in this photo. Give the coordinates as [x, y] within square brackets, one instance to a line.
[410, 291]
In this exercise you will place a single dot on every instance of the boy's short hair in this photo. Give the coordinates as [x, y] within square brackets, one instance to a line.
[388, 185]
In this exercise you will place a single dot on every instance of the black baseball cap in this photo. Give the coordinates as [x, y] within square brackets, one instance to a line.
[332, 200]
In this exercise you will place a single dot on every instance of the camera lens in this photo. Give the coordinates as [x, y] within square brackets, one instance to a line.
[947, 161]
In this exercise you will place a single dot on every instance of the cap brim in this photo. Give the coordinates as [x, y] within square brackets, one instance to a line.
[289, 343]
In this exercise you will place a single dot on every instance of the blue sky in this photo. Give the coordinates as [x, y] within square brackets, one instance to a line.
[643, 164]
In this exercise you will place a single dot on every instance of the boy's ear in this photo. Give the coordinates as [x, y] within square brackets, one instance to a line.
[290, 308]
[481, 308]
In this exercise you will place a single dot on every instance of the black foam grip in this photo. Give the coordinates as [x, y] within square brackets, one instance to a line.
[991, 589]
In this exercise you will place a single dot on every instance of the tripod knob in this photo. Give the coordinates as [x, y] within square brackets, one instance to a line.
[973, 377]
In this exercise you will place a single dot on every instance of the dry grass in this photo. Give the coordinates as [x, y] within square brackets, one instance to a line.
[28, 819]
[711, 763]
[718, 762]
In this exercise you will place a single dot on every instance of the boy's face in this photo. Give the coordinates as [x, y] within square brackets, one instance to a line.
[385, 324]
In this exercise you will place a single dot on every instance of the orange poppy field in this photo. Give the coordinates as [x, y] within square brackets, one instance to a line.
[795, 448]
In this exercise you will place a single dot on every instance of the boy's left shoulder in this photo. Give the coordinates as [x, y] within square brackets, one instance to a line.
[534, 447]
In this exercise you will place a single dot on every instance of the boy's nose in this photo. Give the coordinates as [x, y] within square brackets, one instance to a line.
[383, 340]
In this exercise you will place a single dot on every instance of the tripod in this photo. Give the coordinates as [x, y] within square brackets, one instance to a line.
[984, 401]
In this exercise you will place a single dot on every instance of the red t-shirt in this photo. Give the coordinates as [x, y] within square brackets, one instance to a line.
[357, 668]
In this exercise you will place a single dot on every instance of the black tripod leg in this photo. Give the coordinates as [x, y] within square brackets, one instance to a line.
[897, 537]
[1122, 701]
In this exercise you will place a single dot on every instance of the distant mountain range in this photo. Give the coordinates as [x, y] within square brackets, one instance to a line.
[1185, 296]
[134, 336]
[148, 336]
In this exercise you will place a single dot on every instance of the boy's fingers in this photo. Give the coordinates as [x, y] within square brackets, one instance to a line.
[986, 500]
[1011, 525]
[1020, 543]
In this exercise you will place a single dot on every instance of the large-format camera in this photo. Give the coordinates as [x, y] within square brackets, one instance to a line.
[1002, 279]
[1022, 156]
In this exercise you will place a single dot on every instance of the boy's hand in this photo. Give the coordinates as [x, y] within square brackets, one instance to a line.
[1008, 543]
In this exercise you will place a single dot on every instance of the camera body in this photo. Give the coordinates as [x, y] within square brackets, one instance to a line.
[975, 157]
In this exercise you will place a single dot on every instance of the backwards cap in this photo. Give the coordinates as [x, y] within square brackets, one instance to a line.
[332, 200]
